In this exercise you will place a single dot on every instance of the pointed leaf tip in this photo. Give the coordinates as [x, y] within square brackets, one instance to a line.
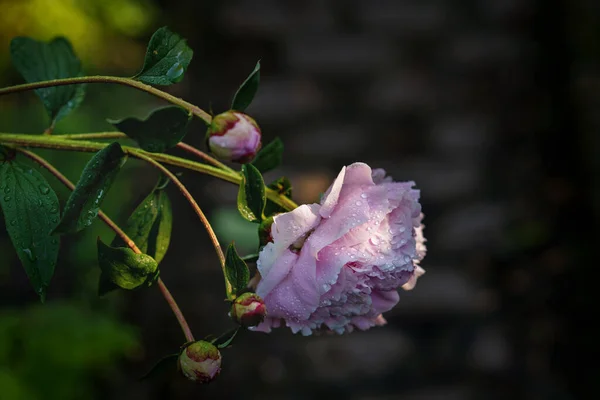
[31, 210]
[247, 90]
[236, 270]
[150, 224]
[95, 181]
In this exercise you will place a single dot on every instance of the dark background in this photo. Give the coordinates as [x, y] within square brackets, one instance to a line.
[489, 105]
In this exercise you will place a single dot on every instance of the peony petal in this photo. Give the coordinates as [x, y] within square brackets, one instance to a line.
[410, 285]
[383, 301]
[358, 174]
[330, 198]
[290, 226]
[273, 269]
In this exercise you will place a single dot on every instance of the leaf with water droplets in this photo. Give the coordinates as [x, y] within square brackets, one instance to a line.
[160, 131]
[245, 93]
[251, 195]
[236, 271]
[149, 226]
[42, 61]
[95, 181]
[30, 209]
[122, 267]
[167, 58]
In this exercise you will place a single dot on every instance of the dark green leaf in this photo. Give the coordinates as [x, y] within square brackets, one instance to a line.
[270, 156]
[41, 61]
[282, 186]
[31, 210]
[122, 267]
[167, 58]
[95, 181]
[251, 195]
[149, 226]
[161, 365]
[236, 270]
[225, 340]
[245, 93]
[160, 131]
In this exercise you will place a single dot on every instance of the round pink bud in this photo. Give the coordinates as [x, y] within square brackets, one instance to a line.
[234, 136]
[200, 362]
[248, 310]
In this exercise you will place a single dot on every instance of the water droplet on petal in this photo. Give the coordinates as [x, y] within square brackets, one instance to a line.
[374, 241]
[363, 195]
[358, 203]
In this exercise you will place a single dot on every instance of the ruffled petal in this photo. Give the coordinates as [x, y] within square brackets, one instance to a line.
[410, 285]
[330, 198]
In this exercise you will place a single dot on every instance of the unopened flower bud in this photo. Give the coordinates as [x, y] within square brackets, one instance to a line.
[200, 362]
[234, 136]
[248, 310]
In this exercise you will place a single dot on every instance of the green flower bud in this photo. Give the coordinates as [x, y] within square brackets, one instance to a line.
[200, 362]
[248, 310]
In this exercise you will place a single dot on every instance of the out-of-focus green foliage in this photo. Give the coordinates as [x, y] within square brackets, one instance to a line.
[230, 226]
[61, 347]
[100, 30]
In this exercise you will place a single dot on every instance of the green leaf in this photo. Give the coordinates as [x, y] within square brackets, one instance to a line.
[282, 186]
[122, 267]
[169, 361]
[95, 181]
[245, 93]
[225, 340]
[236, 270]
[160, 131]
[167, 58]
[43, 61]
[270, 156]
[31, 210]
[251, 195]
[150, 224]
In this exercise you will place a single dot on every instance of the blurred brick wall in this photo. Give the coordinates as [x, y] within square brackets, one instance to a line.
[468, 98]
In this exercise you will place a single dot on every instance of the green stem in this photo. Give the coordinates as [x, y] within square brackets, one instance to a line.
[199, 212]
[161, 285]
[197, 111]
[120, 135]
[53, 142]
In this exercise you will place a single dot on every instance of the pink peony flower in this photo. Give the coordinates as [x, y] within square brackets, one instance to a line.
[337, 265]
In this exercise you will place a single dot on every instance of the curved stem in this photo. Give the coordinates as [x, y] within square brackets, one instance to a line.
[197, 209]
[189, 337]
[163, 288]
[197, 111]
[120, 135]
[55, 142]
[200, 154]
